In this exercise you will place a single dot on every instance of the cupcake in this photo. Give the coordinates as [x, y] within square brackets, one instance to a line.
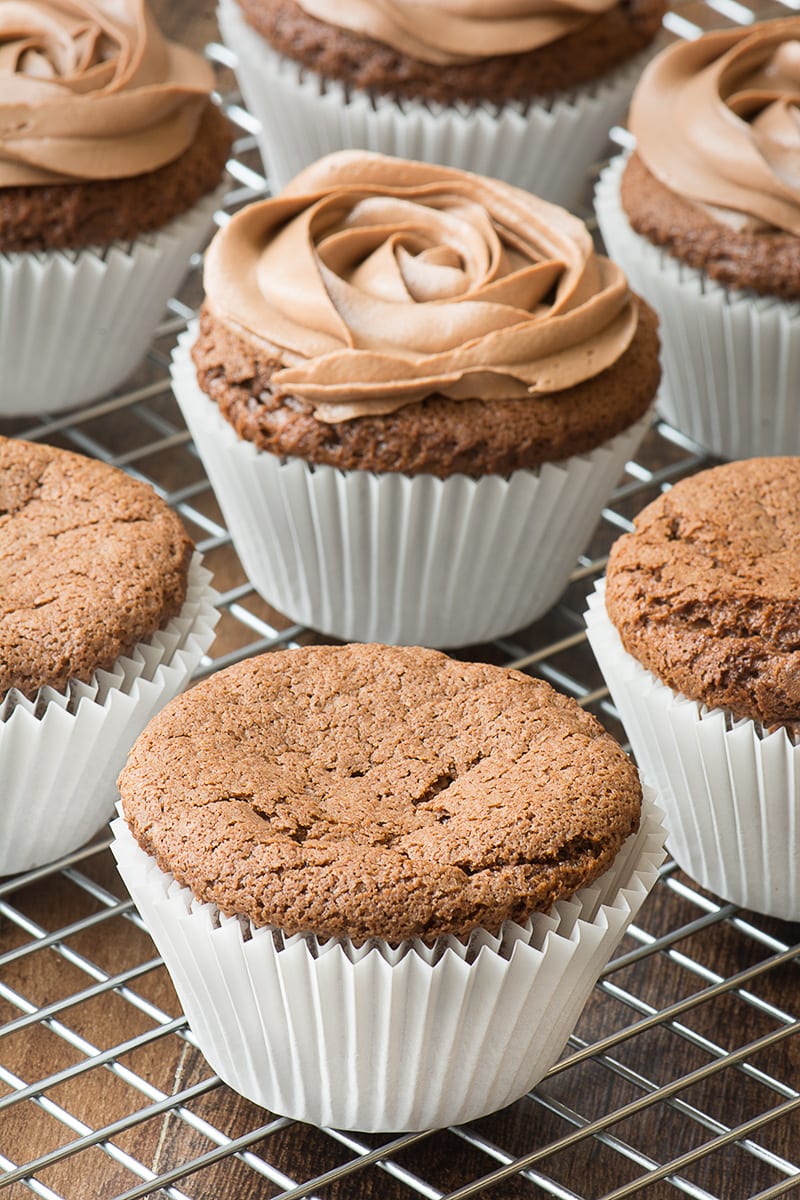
[523, 91]
[413, 390]
[111, 161]
[384, 882]
[104, 614]
[697, 635]
[704, 217]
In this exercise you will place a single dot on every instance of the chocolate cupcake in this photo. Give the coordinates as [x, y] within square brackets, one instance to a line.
[697, 636]
[105, 613]
[705, 218]
[361, 843]
[415, 391]
[523, 92]
[111, 161]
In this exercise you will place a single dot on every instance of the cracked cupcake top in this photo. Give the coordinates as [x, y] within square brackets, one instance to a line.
[373, 791]
[91, 562]
[705, 592]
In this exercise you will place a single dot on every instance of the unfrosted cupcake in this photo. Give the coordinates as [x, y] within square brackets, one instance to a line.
[705, 219]
[111, 160]
[698, 635]
[415, 390]
[526, 92]
[104, 614]
[384, 882]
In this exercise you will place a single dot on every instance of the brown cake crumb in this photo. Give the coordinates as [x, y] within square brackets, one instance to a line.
[367, 790]
[91, 562]
[767, 263]
[436, 436]
[705, 592]
[363, 63]
[62, 216]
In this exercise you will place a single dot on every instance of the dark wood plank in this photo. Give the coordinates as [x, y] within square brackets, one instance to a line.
[187, 21]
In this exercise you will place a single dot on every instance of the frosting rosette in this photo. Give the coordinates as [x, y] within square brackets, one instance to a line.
[456, 31]
[374, 282]
[732, 141]
[89, 89]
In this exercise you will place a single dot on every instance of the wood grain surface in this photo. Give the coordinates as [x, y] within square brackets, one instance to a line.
[99, 1096]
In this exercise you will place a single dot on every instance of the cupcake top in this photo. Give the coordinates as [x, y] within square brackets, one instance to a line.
[370, 791]
[439, 31]
[91, 562]
[91, 90]
[447, 50]
[372, 284]
[705, 592]
[719, 182]
[378, 281]
[107, 130]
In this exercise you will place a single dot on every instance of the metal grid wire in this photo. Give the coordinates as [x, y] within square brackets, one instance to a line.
[690, 1040]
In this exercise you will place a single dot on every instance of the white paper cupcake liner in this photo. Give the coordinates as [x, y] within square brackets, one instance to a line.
[731, 359]
[545, 147]
[730, 791]
[381, 1038]
[74, 324]
[61, 752]
[398, 559]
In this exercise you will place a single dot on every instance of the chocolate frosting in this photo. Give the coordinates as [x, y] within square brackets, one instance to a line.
[456, 31]
[89, 89]
[731, 142]
[375, 282]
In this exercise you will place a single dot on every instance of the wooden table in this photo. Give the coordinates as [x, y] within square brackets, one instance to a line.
[83, 1000]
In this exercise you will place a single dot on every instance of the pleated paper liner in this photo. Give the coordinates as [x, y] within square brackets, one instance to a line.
[61, 752]
[546, 146]
[731, 359]
[730, 790]
[75, 324]
[394, 558]
[378, 1038]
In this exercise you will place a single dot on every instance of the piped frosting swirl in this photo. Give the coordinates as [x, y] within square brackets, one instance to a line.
[89, 89]
[732, 141]
[375, 282]
[458, 31]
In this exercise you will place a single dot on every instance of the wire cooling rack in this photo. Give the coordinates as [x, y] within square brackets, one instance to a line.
[681, 1078]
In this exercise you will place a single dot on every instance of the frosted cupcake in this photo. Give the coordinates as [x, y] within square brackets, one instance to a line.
[413, 390]
[525, 92]
[104, 613]
[111, 160]
[705, 219]
[384, 882]
[697, 636]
